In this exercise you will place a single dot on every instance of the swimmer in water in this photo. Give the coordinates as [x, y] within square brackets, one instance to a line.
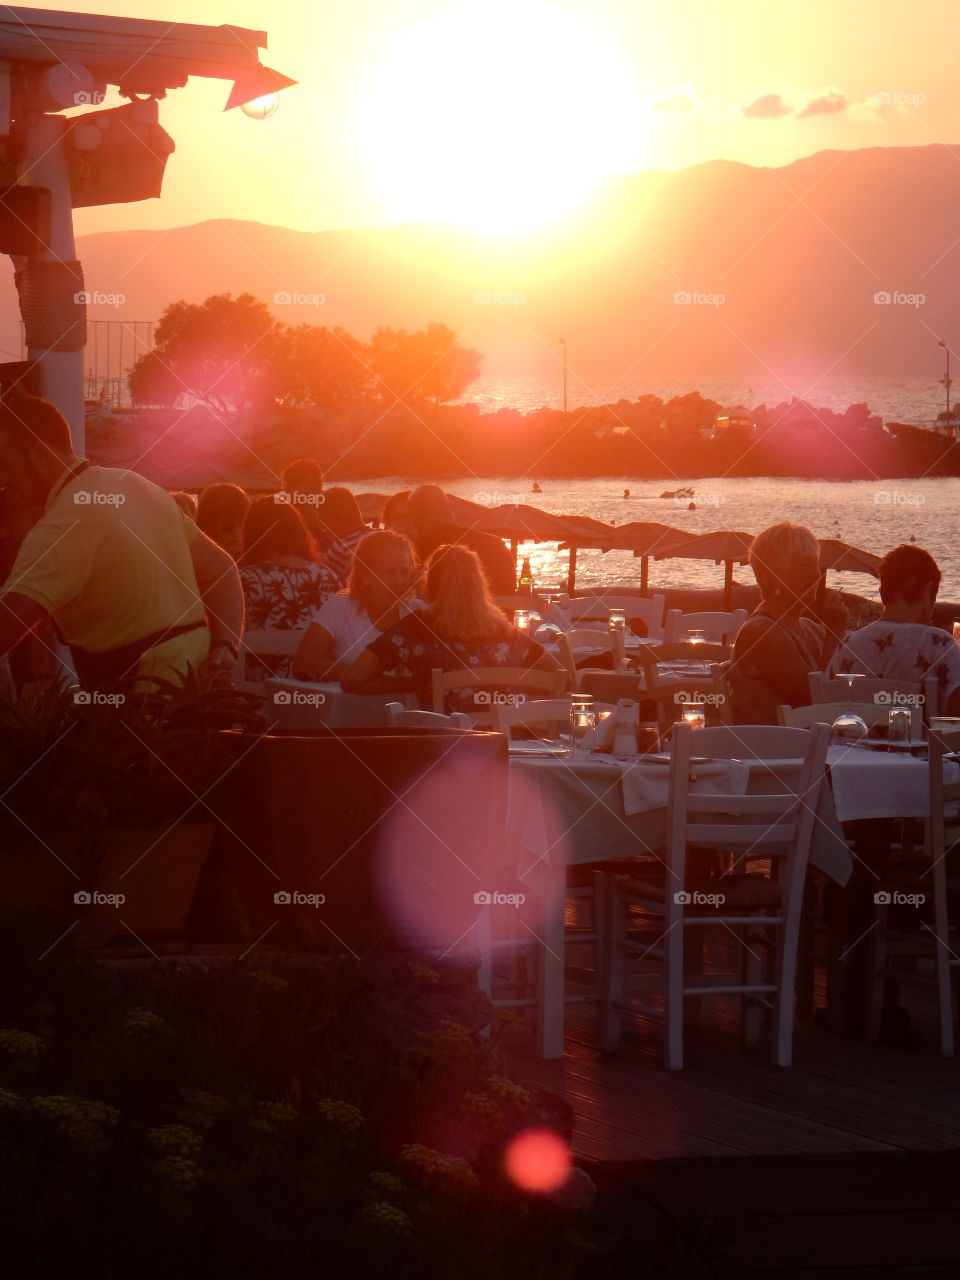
[626, 493]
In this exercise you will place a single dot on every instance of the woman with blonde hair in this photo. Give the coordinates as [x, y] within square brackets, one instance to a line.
[461, 627]
[379, 590]
[793, 631]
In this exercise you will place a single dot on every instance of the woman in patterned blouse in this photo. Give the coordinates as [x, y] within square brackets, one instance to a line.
[283, 583]
[461, 627]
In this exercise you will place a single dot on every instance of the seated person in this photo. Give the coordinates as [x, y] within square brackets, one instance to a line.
[221, 511]
[283, 584]
[793, 631]
[341, 522]
[461, 627]
[429, 510]
[382, 580]
[903, 645]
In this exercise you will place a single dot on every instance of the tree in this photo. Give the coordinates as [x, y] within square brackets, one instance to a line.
[328, 368]
[427, 365]
[220, 351]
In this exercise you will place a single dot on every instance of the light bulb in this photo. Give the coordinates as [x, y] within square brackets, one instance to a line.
[261, 108]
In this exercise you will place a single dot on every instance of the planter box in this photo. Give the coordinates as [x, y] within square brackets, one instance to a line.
[155, 869]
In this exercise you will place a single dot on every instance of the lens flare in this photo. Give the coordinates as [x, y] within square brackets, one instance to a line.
[538, 1160]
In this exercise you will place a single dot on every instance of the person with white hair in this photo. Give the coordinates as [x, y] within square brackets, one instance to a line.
[794, 630]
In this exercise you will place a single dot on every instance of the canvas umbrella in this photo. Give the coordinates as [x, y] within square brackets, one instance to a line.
[522, 523]
[725, 546]
[846, 559]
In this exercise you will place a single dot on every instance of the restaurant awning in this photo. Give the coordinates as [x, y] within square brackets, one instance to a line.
[725, 546]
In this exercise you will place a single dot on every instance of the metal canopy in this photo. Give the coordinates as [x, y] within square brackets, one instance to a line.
[139, 55]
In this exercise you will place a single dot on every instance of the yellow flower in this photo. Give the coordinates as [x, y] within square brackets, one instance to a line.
[175, 1140]
[448, 1172]
[178, 1173]
[200, 1109]
[387, 1184]
[421, 970]
[508, 1091]
[348, 1119]
[449, 1043]
[485, 1109]
[145, 1023]
[80, 1119]
[271, 1117]
[22, 1047]
[385, 1217]
[10, 1101]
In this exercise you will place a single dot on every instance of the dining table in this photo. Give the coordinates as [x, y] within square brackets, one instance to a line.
[566, 810]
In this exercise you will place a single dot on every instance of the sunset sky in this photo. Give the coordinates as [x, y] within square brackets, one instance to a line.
[502, 113]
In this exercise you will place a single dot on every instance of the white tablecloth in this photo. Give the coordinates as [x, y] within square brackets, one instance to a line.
[881, 784]
[646, 785]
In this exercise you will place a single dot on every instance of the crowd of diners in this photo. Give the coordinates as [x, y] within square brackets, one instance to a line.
[132, 579]
[129, 580]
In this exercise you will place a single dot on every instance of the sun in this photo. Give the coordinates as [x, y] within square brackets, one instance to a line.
[496, 116]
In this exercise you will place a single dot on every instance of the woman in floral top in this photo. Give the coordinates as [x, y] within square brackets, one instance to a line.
[460, 628]
[283, 584]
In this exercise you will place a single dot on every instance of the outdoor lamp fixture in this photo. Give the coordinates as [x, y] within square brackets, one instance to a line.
[256, 92]
[52, 163]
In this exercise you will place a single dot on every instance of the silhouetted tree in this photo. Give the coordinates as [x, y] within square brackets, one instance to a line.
[328, 368]
[220, 351]
[430, 364]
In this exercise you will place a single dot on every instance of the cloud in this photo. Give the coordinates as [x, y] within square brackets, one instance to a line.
[680, 101]
[830, 102]
[771, 106]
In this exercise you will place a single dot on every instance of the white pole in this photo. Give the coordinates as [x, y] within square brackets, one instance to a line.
[44, 164]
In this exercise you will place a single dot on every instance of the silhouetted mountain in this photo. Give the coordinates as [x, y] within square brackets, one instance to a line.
[796, 254]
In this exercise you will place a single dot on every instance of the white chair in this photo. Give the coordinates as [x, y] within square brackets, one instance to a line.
[776, 829]
[646, 610]
[486, 681]
[885, 693]
[718, 628]
[594, 639]
[928, 878]
[271, 642]
[398, 714]
[871, 713]
[671, 691]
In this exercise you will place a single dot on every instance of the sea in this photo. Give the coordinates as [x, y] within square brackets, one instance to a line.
[867, 513]
[874, 515]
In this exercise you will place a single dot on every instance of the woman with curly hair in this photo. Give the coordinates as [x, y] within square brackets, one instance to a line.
[461, 627]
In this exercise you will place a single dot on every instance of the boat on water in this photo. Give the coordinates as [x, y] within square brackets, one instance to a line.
[683, 492]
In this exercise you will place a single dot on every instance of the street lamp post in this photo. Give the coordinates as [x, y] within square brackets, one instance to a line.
[563, 344]
[946, 379]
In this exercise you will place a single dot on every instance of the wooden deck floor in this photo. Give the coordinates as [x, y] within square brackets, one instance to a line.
[846, 1165]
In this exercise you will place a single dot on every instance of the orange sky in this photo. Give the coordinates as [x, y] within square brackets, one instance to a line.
[498, 114]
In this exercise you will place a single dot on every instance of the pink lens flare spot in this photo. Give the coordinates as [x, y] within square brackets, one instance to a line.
[538, 1160]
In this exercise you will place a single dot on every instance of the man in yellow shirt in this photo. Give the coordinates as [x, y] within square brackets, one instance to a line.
[131, 583]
